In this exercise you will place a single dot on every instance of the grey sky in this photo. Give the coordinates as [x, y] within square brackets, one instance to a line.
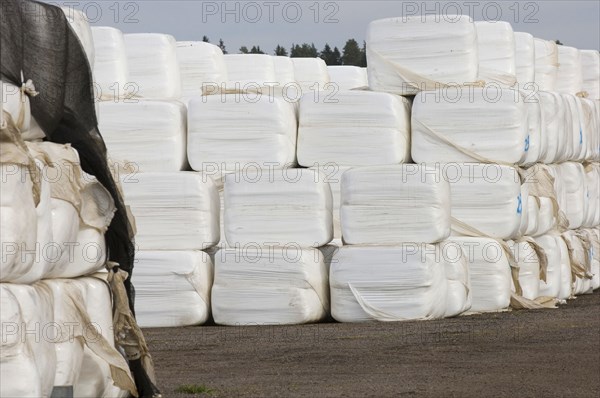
[271, 22]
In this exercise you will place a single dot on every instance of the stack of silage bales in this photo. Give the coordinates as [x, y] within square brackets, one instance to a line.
[57, 323]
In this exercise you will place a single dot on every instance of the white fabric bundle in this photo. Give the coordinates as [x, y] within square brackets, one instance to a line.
[347, 77]
[496, 50]
[284, 70]
[199, 63]
[172, 288]
[245, 69]
[569, 79]
[278, 208]
[489, 272]
[229, 135]
[546, 64]
[275, 286]
[80, 26]
[111, 74]
[406, 55]
[311, 74]
[551, 245]
[525, 58]
[150, 134]
[590, 70]
[486, 197]
[153, 65]
[394, 204]
[173, 211]
[27, 358]
[529, 268]
[458, 299]
[553, 113]
[387, 283]
[491, 123]
[572, 178]
[361, 128]
[592, 212]
[18, 228]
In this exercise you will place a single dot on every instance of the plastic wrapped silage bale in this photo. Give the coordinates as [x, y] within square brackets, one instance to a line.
[229, 135]
[332, 174]
[387, 283]
[111, 73]
[525, 58]
[278, 208]
[571, 176]
[552, 285]
[269, 286]
[311, 74]
[536, 146]
[566, 283]
[496, 50]
[284, 70]
[533, 212]
[572, 131]
[581, 264]
[486, 197]
[249, 70]
[394, 204]
[569, 79]
[489, 272]
[360, 128]
[592, 213]
[590, 70]
[79, 23]
[589, 130]
[173, 211]
[150, 135]
[200, 64]
[153, 65]
[592, 235]
[546, 64]
[469, 125]
[347, 77]
[172, 288]
[458, 298]
[553, 112]
[404, 54]
[529, 267]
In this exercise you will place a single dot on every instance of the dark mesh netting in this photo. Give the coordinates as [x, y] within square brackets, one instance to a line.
[37, 41]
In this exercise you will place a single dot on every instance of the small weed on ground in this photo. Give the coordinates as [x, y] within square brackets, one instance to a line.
[194, 389]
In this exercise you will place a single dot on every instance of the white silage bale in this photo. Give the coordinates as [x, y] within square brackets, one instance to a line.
[571, 176]
[569, 79]
[582, 282]
[496, 49]
[276, 286]
[546, 64]
[360, 128]
[347, 77]
[459, 296]
[311, 74]
[592, 213]
[552, 285]
[284, 70]
[525, 58]
[250, 70]
[553, 113]
[200, 64]
[404, 54]
[149, 135]
[566, 283]
[529, 268]
[111, 73]
[446, 123]
[172, 288]
[536, 146]
[394, 204]
[590, 70]
[153, 65]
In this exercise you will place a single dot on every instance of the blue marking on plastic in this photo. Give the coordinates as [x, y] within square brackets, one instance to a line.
[520, 205]
[527, 144]
[580, 136]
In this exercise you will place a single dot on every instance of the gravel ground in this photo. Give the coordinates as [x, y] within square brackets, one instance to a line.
[545, 353]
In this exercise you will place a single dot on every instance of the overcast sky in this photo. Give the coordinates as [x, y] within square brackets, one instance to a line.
[271, 22]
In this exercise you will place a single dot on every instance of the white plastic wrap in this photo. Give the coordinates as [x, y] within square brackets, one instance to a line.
[18, 105]
[592, 213]
[572, 177]
[579, 256]
[572, 130]
[569, 79]
[347, 77]
[200, 63]
[278, 286]
[278, 208]
[394, 204]
[151, 134]
[173, 211]
[536, 144]
[229, 135]
[18, 228]
[486, 197]
[79, 24]
[551, 287]
[27, 358]
[489, 272]
[458, 299]
[566, 283]
[172, 288]
[311, 73]
[593, 236]
[284, 70]
[153, 65]
[533, 213]
[256, 69]
[545, 217]
[361, 128]
[468, 119]
[496, 50]
[546, 64]
[405, 55]
[529, 268]
[111, 74]
[333, 176]
[590, 133]
[553, 113]
[525, 57]
[393, 283]
[590, 70]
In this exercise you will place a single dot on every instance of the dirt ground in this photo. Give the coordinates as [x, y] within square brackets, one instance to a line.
[546, 353]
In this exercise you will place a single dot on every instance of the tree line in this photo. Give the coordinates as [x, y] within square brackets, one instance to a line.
[352, 53]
